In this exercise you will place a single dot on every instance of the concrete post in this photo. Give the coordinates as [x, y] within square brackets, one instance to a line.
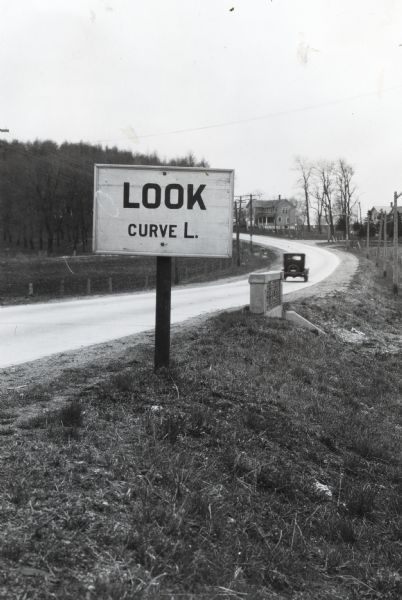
[266, 293]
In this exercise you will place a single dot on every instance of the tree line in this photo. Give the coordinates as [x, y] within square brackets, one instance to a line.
[329, 194]
[46, 191]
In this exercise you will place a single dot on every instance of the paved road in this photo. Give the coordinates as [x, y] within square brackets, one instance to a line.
[31, 331]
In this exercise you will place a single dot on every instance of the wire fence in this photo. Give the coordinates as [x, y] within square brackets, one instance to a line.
[383, 258]
[63, 277]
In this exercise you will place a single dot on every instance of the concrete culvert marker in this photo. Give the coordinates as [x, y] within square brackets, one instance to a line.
[266, 299]
[266, 293]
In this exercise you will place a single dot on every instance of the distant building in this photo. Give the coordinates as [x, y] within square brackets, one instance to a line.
[274, 215]
[377, 211]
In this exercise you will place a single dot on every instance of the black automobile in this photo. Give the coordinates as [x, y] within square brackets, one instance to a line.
[294, 266]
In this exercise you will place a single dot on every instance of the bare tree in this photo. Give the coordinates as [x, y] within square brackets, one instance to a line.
[300, 214]
[328, 189]
[305, 169]
[325, 177]
[318, 205]
[346, 192]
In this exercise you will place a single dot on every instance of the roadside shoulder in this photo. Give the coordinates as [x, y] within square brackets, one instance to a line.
[339, 280]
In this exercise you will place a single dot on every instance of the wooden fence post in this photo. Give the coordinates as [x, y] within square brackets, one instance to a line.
[379, 242]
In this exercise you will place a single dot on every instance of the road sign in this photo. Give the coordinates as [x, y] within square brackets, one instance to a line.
[163, 211]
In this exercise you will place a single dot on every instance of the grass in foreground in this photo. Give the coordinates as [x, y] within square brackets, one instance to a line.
[265, 464]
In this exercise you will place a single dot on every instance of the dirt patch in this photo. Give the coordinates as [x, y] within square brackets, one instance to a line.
[359, 310]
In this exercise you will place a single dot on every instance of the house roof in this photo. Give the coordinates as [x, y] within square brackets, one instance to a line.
[385, 209]
[265, 203]
[379, 208]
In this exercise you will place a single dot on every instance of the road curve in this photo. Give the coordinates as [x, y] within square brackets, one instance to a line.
[32, 331]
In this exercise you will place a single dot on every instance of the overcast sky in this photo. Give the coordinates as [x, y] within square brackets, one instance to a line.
[245, 84]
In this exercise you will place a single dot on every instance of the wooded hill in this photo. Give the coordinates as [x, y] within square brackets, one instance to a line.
[46, 192]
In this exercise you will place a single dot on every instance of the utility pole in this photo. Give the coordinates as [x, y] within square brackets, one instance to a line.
[384, 268]
[2, 130]
[379, 241]
[396, 265]
[368, 234]
[251, 223]
[238, 217]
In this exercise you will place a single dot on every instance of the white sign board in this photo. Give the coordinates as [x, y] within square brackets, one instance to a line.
[163, 211]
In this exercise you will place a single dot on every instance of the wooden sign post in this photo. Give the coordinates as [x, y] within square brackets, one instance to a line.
[163, 212]
[162, 312]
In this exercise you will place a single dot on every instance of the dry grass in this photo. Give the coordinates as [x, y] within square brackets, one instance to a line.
[266, 463]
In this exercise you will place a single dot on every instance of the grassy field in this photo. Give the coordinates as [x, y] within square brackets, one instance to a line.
[265, 464]
[55, 277]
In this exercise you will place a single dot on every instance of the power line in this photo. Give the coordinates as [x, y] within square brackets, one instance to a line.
[76, 164]
[258, 118]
